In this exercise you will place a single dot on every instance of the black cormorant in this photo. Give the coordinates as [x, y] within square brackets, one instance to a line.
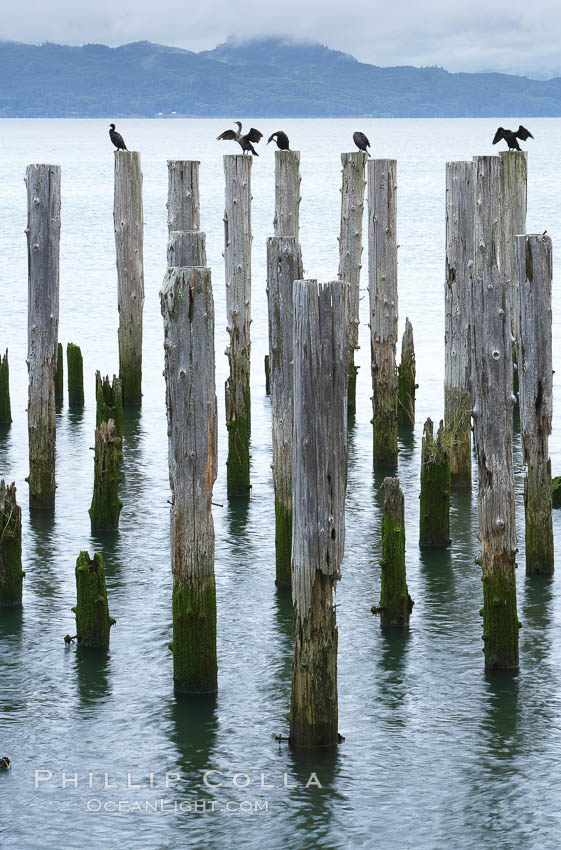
[361, 141]
[281, 139]
[243, 141]
[510, 137]
[117, 139]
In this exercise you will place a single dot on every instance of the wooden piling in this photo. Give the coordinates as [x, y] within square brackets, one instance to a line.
[186, 243]
[5, 407]
[11, 573]
[535, 362]
[319, 483]
[395, 603]
[284, 266]
[434, 521]
[382, 287]
[514, 200]
[43, 238]
[59, 375]
[188, 313]
[75, 365]
[237, 260]
[109, 402]
[287, 193]
[93, 622]
[350, 252]
[106, 505]
[129, 237]
[460, 199]
[406, 374]
[493, 400]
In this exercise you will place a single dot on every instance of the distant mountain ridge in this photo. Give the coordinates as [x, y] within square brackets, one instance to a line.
[261, 78]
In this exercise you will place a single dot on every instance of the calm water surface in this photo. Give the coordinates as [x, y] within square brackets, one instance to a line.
[436, 753]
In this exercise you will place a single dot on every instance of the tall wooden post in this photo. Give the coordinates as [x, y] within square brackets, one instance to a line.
[43, 238]
[535, 369]
[319, 483]
[11, 573]
[237, 260]
[350, 252]
[186, 242]
[287, 193]
[460, 185]
[129, 237]
[284, 266]
[382, 287]
[514, 201]
[188, 313]
[493, 399]
[5, 407]
[406, 374]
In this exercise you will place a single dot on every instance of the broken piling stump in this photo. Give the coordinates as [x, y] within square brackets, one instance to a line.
[129, 237]
[93, 622]
[434, 521]
[287, 193]
[59, 375]
[536, 388]
[43, 238]
[319, 484]
[109, 402]
[188, 314]
[406, 374]
[11, 573]
[395, 603]
[106, 505]
[493, 401]
[75, 366]
[5, 407]
[237, 262]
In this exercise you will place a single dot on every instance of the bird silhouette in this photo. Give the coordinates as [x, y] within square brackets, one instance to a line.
[117, 139]
[510, 137]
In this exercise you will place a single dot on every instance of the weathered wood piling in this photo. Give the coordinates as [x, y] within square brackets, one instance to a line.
[129, 237]
[284, 266]
[406, 374]
[493, 400]
[109, 402]
[350, 252]
[434, 520]
[395, 603]
[382, 287]
[186, 242]
[460, 200]
[106, 505]
[535, 371]
[43, 238]
[93, 622]
[11, 573]
[5, 407]
[287, 194]
[514, 200]
[75, 366]
[319, 483]
[59, 375]
[237, 260]
[188, 314]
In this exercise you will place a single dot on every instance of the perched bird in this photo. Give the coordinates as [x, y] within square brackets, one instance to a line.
[510, 137]
[117, 139]
[281, 139]
[4, 763]
[244, 141]
[361, 141]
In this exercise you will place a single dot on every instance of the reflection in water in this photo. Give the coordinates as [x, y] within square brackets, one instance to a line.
[40, 561]
[4, 444]
[438, 576]
[109, 544]
[312, 809]
[75, 414]
[535, 614]
[193, 729]
[392, 654]
[237, 515]
[11, 622]
[406, 443]
[284, 640]
[93, 668]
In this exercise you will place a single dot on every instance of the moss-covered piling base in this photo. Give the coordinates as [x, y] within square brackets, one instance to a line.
[11, 573]
[237, 464]
[500, 619]
[434, 521]
[106, 505]
[93, 622]
[59, 375]
[5, 408]
[109, 402]
[385, 437]
[75, 366]
[395, 603]
[283, 545]
[41, 479]
[131, 384]
[314, 707]
[556, 492]
[457, 418]
[539, 523]
[194, 639]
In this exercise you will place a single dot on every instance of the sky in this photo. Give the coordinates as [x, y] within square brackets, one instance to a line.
[502, 35]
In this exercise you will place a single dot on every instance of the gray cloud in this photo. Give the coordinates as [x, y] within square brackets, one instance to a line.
[505, 36]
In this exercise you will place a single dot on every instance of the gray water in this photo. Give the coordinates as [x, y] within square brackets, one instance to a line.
[436, 753]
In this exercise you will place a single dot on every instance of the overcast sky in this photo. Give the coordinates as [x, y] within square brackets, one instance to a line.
[502, 35]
